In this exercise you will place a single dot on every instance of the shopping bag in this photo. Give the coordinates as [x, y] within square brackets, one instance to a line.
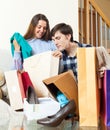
[46, 107]
[65, 83]
[0, 93]
[39, 67]
[26, 81]
[15, 89]
[17, 84]
[21, 86]
[88, 91]
[105, 98]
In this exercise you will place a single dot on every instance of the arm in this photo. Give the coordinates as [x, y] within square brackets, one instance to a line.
[17, 60]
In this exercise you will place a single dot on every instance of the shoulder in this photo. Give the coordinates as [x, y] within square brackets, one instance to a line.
[86, 45]
[83, 44]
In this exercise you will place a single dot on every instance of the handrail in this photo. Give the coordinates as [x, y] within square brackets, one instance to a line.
[94, 26]
[104, 17]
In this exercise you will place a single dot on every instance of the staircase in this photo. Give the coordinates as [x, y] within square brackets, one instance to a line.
[94, 26]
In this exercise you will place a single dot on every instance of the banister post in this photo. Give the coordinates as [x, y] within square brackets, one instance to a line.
[86, 8]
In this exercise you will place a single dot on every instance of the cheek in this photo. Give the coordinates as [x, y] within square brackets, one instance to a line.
[64, 44]
[35, 31]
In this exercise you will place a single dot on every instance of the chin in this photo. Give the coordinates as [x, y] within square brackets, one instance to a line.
[39, 37]
[60, 49]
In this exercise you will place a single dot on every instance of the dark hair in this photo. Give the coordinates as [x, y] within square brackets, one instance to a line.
[63, 28]
[30, 32]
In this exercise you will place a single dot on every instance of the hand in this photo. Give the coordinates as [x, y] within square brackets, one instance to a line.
[57, 53]
[101, 72]
[16, 45]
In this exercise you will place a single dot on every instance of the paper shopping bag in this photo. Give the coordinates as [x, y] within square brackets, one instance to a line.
[0, 93]
[88, 91]
[65, 83]
[105, 98]
[26, 81]
[103, 126]
[21, 86]
[15, 89]
[39, 67]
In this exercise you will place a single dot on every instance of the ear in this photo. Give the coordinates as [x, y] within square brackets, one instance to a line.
[68, 36]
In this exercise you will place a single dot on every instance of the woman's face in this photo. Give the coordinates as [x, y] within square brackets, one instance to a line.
[40, 29]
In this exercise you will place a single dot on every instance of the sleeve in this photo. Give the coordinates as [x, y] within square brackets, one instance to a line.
[17, 61]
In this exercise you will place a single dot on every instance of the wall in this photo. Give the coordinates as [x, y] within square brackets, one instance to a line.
[15, 16]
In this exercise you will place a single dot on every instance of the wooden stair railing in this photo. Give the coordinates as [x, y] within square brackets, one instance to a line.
[94, 26]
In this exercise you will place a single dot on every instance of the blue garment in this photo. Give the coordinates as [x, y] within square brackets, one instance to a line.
[26, 50]
[61, 99]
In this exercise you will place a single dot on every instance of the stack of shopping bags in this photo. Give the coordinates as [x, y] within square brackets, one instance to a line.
[91, 94]
[93, 88]
[36, 68]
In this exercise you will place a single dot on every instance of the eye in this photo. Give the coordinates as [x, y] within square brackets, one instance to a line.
[39, 27]
[58, 38]
[44, 28]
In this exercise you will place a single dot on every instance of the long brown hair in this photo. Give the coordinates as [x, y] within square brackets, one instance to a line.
[30, 32]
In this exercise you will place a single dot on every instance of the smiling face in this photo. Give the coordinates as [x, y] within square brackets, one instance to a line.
[40, 29]
[61, 41]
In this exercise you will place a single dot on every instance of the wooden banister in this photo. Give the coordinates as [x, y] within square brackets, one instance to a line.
[100, 12]
[94, 27]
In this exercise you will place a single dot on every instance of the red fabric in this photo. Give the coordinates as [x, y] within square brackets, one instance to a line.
[21, 85]
[26, 81]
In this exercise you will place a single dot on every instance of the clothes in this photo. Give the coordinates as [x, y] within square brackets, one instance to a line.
[61, 98]
[68, 62]
[103, 58]
[38, 46]
[26, 50]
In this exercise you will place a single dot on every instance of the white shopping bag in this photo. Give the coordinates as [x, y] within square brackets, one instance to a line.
[14, 89]
[39, 67]
[46, 107]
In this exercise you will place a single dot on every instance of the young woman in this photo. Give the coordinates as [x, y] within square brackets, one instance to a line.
[38, 39]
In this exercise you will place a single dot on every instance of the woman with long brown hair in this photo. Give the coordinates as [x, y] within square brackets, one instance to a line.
[37, 37]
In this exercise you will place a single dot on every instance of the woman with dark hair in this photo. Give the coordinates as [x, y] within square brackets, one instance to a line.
[37, 40]
[39, 28]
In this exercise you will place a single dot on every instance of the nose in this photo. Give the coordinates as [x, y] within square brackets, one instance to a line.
[56, 43]
[42, 29]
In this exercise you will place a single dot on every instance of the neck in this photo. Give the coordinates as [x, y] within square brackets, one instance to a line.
[72, 49]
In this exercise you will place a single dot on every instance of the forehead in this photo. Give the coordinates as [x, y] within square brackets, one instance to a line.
[42, 23]
[57, 33]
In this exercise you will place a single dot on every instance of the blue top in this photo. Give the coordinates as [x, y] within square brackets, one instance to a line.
[38, 46]
[25, 47]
